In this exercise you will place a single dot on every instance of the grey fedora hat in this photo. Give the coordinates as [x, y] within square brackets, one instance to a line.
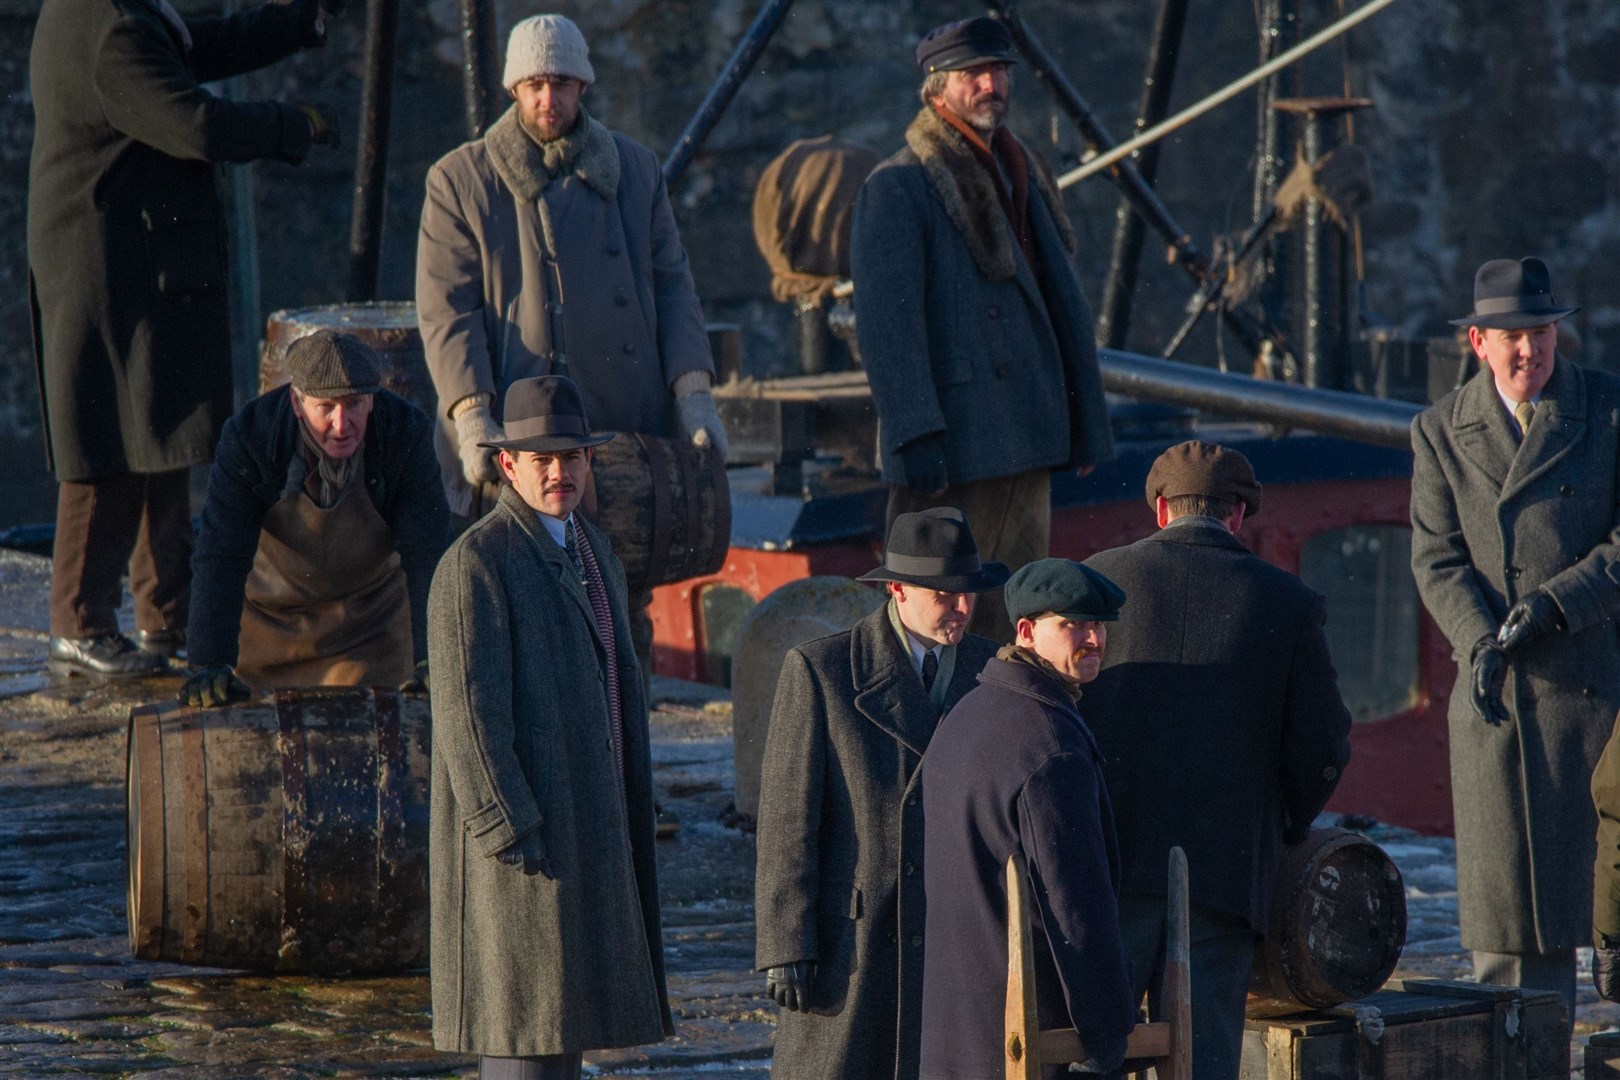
[546, 415]
[934, 549]
[1511, 294]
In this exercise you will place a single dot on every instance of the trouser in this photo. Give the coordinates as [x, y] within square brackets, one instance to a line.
[1538, 971]
[544, 1067]
[138, 520]
[1011, 520]
[1222, 947]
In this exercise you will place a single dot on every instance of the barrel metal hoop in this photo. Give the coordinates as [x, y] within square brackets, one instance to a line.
[658, 455]
[689, 486]
[194, 938]
[148, 863]
[392, 850]
[294, 826]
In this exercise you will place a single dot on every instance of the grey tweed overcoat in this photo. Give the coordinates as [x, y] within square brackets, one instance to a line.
[840, 870]
[1492, 521]
[526, 965]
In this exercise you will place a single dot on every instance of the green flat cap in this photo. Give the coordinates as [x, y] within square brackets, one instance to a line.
[327, 364]
[1062, 587]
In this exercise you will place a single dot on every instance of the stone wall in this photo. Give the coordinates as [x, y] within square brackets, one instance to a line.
[1492, 135]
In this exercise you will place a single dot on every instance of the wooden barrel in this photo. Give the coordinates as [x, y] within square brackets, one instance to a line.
[389, 328]
[1338, 923]
[666, 506]
[286, 834]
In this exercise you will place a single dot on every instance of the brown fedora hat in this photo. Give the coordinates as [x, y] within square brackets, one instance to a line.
[545, 415]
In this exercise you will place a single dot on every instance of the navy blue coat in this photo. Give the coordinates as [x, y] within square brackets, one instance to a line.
[1013, 769]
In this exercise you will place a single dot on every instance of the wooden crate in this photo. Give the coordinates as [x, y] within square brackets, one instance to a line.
[1603, 1056]
[1431, 1030]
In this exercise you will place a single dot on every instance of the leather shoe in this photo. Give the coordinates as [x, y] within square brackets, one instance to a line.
[164, 643]
[109, 656]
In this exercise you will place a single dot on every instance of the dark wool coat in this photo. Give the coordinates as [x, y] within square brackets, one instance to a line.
[521, 742]
[1013, 769]
[1492, 521]
[839, 877]
[631, 320]
[250, 475]
[1217, 675]
[126, 234]
[959, 334]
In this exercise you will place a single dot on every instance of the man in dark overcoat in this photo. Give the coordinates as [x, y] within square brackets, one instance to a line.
[1014, 769]
[1218, 676]
[543, 878]
[1516, 551]
[839, 899]
[127, 273]
[970, 318]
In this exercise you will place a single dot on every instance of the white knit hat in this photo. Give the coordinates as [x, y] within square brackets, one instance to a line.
[547, 45]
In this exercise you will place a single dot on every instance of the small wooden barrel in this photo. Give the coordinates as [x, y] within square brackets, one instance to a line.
[666, 506]
[286, 834]
[389, 328]
[1338, 923]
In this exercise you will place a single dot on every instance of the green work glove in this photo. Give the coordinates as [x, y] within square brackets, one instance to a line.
[323, 126]
[215, 685]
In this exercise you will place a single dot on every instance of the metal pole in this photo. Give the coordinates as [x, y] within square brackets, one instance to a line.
[371, 151]
[247, 324]
[478, 80]
[725, 87]
[1114, 316]
[1221, 96]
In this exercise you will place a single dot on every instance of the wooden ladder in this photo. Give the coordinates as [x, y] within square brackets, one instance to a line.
[1164, 1044]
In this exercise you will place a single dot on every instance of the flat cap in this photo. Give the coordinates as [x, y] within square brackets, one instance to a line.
[1062, 587]
[1201, 468]
[958, 45]
[327, 364]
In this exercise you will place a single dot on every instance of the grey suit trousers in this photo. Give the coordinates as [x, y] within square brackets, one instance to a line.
[545, 1067]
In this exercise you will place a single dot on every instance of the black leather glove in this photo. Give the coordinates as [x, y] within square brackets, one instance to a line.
[924, 463]
[1490, 663]
[418, 682]
[529, 853]
[323, 126]
[1606, 967]
[1529, 621]
[208, 687]
[789, 984]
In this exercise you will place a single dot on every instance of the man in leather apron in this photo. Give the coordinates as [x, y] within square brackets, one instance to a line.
[324, 522]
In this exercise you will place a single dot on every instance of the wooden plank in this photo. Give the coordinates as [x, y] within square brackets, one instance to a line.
[1603, 1056]
[1023, 1053]
[1176, 998]
[1544, 1029]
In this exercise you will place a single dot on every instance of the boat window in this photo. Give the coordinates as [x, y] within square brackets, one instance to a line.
[1365, 573]
[724, 607]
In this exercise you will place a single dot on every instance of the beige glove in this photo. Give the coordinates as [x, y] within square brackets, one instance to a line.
[475, 424]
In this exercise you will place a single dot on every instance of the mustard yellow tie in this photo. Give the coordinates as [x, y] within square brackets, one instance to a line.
[1522, 412]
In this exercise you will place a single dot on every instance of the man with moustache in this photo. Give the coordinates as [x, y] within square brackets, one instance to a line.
[1218, 676]
[323, 525]
[1013, 768]
[839, 903]
[971, 323]
[542, 876]
[1516, 551]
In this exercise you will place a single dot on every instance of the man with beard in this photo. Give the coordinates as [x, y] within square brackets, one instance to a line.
[970, 319]
[839, 899]
[323, 524]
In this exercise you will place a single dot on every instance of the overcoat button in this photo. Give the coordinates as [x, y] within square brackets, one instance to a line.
[994, 312]
[1587, 691]
[620, 299]
[916, 941]
[911, 868]
[1002, 370]
[1330, 773]
[1566, 489]
[630, 348]
[1513, 573]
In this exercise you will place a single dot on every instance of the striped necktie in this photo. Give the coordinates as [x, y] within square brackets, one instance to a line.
[596, 593]
[1524, 412]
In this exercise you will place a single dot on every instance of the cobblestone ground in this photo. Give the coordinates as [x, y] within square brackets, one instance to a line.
[74, 1003]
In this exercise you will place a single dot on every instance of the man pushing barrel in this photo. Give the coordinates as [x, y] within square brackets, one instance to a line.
[324, 521]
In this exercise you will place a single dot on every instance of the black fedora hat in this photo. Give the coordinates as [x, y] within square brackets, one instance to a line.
[1513, 294]
[934, 549]
[964, 44]
[545, 414]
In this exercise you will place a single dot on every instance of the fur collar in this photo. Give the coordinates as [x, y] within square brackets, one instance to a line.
[969, 194]
[520, 163]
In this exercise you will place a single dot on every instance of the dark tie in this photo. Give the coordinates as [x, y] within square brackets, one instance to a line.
[930, 670]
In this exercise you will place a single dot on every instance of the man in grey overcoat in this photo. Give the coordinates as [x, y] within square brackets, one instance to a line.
[971, 322]
[543, 879]
[838, 908]
[1516, 551]
[127, 280]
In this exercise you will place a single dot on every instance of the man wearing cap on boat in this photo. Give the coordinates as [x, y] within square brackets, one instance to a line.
[323, 524]
[972, 325]
[1516, 551]
[1014, 769]
[542, 876]
[1218, 676]
[838, 906]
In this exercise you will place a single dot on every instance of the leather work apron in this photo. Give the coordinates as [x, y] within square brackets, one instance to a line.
[326, 603]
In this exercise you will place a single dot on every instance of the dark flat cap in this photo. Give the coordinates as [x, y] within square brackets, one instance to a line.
[327, 364]
[958, 45]
[1062, 587]
[1511, 294]
[1201, 468]
[934, 549]
[546, 415]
